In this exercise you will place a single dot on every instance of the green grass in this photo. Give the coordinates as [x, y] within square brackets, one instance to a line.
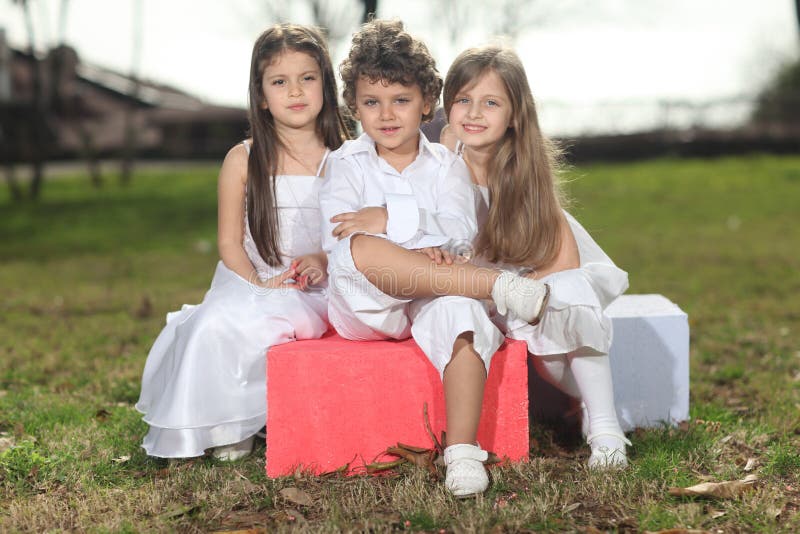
[88, 275]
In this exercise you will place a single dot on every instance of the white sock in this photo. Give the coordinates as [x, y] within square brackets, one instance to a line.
[593, 377]
[555, 370]
[523, 296]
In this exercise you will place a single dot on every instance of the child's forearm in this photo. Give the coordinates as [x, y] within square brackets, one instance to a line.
[235, 258]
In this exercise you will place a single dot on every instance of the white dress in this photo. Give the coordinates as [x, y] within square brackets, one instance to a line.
[574, 321]
[204, 382]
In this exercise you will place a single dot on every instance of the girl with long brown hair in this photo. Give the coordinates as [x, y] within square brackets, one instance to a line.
[491, 114]
[204, 383]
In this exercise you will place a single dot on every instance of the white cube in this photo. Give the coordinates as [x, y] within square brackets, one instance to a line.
[649, 361]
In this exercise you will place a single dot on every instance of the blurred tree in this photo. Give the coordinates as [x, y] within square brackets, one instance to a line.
[130, 141]
[371, 8]
[779, 102]
[38, 142]
[797, 12]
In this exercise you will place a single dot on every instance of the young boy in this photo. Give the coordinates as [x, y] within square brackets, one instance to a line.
[392, 185]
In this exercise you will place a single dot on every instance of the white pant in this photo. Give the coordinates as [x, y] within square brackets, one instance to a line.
[360, 311]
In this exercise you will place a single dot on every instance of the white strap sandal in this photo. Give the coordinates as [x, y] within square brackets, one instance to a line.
[234, 451]
[466, 475]
[604, 456]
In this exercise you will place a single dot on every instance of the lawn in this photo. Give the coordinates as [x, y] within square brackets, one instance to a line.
[88, 275]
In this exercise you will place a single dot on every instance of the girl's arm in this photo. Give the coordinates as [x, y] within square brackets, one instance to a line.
[568, 256]
[230, 225]
[230, 214]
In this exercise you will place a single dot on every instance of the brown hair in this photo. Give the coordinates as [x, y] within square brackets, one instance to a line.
[262, 164]
[383, 51]
[524, 221]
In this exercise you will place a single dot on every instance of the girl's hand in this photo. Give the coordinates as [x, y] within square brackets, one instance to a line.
[311, 269]
[372, 219]
[437, 255]
[279, 281]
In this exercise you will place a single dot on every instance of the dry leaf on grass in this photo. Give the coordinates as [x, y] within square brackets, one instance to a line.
[121, 459]
[420, 459]
[297, 496]
[721, 490]
[341, 470]
[774, 512]
[243, 522]
[378, 467]
[678, 531]
[102, 414]
[6, 442]
[436, 443]
[751, 464]
[716, 514]
[289, 515]
[178, 511]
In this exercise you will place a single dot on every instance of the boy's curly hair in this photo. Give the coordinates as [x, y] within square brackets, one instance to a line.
[383, 50]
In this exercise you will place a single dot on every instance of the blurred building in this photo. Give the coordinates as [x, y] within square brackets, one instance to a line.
[83, 110]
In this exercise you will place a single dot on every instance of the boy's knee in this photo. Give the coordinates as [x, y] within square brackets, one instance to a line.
[360, 245]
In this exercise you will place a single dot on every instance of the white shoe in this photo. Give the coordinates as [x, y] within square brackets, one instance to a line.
[525, 297]
[234, 451]
[466, 475]
[608, 450]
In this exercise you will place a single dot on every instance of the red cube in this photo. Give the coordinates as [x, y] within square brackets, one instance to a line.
[331, 402]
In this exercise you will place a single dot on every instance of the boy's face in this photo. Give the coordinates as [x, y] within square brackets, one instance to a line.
[390, 114]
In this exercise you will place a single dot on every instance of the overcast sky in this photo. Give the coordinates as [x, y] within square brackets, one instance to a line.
[577, 52]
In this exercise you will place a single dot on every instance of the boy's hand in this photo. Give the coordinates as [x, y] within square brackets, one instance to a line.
[437, 254]
[311, 269]
[372, 220]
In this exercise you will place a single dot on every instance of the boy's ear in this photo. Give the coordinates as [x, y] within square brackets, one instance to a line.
[426, 107]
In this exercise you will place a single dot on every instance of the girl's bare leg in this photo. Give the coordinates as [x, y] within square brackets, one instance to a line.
[464, 379]
[408, 274]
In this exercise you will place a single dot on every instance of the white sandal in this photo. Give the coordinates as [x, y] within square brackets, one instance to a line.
[466, 475]
[234, 451]
[526, 297]
[603, 456]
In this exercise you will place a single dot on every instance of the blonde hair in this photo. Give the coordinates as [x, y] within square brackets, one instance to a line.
[524, 222]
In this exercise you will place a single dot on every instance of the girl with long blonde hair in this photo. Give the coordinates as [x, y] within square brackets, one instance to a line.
[493, 123]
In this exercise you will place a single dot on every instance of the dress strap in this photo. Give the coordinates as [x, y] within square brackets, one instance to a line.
[322, 163]
[246, 144]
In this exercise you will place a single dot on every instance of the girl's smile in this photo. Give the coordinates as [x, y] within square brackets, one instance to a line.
[481, 112]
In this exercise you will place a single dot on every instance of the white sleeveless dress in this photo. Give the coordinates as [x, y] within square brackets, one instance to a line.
[204, 382]
[574, 321]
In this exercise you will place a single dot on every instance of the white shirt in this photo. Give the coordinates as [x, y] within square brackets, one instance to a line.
[430, 204]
